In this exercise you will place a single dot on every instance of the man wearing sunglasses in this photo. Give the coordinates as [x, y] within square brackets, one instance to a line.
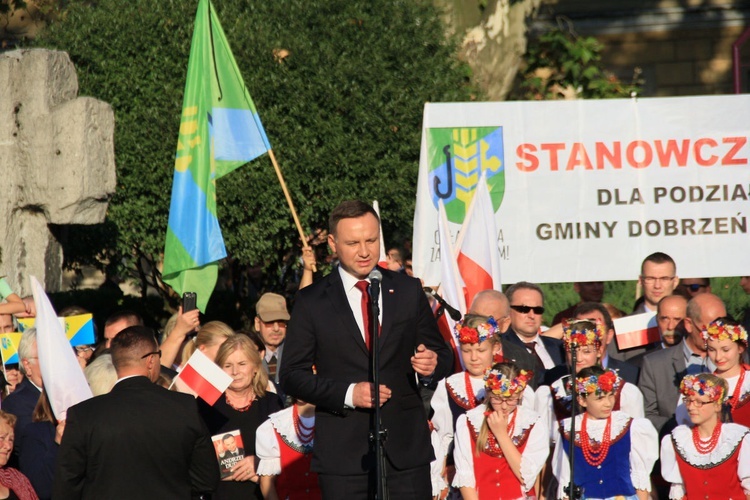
[526, 309]
[694, 286]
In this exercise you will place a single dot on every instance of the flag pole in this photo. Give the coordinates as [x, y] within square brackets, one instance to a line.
[289, 202]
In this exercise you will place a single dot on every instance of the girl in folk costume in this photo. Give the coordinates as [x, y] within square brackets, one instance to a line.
[726, 342]
[502, 445]
[480, 347]
[614, 453]
[284, 445]
[711, 459]
[556, 398]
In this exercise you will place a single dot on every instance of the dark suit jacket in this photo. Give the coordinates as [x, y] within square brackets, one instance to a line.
[554, 348]
[520, 357]
[661, 374]
[138, 441]
[21, 403]
[324, 333]
[625, 370]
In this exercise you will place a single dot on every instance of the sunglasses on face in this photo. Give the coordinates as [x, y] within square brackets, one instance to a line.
[695, 287]
[526, 309]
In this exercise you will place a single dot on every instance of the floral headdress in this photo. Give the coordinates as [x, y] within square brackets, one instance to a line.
[580, 333]
[695, 385]
[499, 384]
[725, 329]
[478, 334]
[598, 384]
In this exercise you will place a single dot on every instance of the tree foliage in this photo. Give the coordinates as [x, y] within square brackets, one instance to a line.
[562, 65]
[339, 85]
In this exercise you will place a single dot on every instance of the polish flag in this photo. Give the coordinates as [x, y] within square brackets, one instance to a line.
[203, 378]
[636, 330]
[451, 284]
[479, 258]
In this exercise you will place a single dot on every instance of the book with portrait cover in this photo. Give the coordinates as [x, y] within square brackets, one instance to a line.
[229, 451]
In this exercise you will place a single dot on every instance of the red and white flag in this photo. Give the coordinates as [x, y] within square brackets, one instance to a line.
[451, 285]
[637, 330]
[203, 378]
[63, 378]
[478, 256]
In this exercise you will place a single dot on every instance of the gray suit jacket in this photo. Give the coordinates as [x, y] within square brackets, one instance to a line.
[659, 382]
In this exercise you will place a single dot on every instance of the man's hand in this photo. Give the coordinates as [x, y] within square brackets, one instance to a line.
[363, 395]
[424, 361]
[244, 470]
[30, 312]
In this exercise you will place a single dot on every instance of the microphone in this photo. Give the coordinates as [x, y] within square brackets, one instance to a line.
[375, 278]
[454, 313]
[375, 275]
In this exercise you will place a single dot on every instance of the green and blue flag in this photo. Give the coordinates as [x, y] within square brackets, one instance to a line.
[219, 131]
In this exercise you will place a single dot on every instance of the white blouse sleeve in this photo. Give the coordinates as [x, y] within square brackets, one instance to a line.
[535, 453]
[560, 465]
[644, 451]
[267, 450]
[743, 470]
[631, 401]
[463, 456]
[669, 468]
[543, 406]
[442, 421]
[436, 466]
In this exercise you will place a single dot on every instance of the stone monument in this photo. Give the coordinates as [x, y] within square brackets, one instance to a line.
[57, 163]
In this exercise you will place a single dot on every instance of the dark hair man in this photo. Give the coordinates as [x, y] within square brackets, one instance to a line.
[658, 279]
[138, 441]
[327, 329]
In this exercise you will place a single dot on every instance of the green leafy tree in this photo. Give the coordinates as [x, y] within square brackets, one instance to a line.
[339, 85]
[562, 65]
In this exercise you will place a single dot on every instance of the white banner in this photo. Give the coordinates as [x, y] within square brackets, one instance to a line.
[584, 190]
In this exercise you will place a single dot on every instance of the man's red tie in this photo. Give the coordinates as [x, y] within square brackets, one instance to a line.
[362, 286]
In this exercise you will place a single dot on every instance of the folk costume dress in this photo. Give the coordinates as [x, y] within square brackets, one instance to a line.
[723, 472]
[453, 397]
[626, 466]
[489, 473]
[739, 397]
[555, 401]
[284, 444]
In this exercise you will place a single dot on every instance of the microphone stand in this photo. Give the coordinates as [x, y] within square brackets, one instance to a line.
[573, 491]
[378, 435]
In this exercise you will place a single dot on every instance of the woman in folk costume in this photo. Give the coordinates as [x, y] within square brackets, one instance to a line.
[284, 444]
[726, 342]
[708, 459]
[501, 446]
[480, 347]
[588, 336]
[614, 452]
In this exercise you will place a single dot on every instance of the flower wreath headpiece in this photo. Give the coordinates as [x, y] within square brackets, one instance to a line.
[693, 385]
[598, 384]
[482, 332]
[724, 329]
[500, 385]
[579, 332]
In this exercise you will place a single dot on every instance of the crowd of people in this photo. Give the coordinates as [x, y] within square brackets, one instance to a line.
[505, 419]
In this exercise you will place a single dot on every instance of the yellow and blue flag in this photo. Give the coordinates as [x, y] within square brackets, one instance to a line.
[79, 329]
[9, 347]
[219, 131]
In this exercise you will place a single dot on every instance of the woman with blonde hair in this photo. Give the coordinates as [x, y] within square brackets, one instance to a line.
[244, 406]
[210, 337]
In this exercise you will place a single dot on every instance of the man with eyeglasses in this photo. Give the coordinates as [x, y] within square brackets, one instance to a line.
[138, 441]
[270, 323]
[658, 279]
[22, 401]
[526, 309]
[663, 370]
[693, 286]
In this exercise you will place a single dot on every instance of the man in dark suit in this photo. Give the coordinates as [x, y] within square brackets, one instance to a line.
[22, 401]
[138, 441]
[526, 309]
[495, 304]
[327, 330]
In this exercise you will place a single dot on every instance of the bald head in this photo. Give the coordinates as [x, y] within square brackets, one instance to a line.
[492, 303]
[670, 312]
[701, 310]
